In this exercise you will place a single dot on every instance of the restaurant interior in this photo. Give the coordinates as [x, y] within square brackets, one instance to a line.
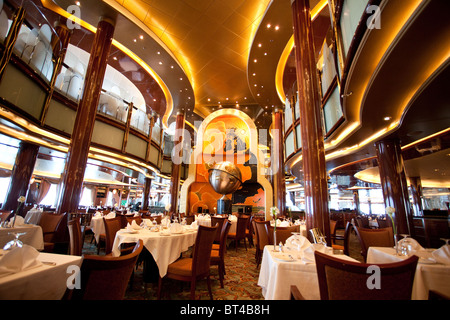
[255, 149]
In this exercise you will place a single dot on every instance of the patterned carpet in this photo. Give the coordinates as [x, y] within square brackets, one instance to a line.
[240, 281]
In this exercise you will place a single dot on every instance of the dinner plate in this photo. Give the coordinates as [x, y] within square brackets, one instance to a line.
[131, 232]
[285, 258]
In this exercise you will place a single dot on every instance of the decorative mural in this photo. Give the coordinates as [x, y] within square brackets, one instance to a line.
[226, 138]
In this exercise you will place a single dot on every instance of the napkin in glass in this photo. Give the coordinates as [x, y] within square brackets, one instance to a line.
[176, 228]
[415, 246]
[20, 221]
[442, 255]
[19, 259]
[308, 253]
[135, 226]
[111, 215]
[298, 243]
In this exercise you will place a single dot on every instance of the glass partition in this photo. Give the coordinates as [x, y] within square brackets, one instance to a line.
[287, 116]
[5, 21]
[332, 111]
[113, 106]
[37, 41]
[140, 121]
[352, 11]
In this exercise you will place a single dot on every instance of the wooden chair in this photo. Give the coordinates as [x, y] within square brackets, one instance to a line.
[130, 219]
[374, 238]
[218, 256]
[5, 215]
[262, 238]
[106, 277]
[197, 267]
[219, 221]
[249, 232]
[295, 293]
[111, 227]
[189, 219]
[240, 234]
[49, 223]
[75, 237]
[345, 280]
[283, 233]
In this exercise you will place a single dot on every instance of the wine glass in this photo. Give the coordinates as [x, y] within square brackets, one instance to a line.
[15, 243]
[405, 245]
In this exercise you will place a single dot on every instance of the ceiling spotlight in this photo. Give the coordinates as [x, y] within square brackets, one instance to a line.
[277, 27]
[387, 118]
[269, 26]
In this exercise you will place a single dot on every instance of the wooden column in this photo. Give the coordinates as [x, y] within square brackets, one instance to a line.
[393, 184]
[416, 192]
[313, 151]
[146, 193]
[278, 152]
[176, 166]
[84, 123]
[21, 174]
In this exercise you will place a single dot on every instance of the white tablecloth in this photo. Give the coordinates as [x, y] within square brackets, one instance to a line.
[97, 226]
[164, 249]
[45, 282]
[429, 275]
[33, 237]
[276, 276]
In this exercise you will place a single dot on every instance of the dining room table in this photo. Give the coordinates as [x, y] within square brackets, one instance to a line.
[46, 278]
[430, 273]
[282, 269]
[31, 234]
[165, 245]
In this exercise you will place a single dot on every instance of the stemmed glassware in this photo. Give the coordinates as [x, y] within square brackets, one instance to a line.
[404, 245]
[447, 241]
[15, 243]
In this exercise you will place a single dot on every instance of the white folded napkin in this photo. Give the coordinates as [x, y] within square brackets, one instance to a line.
[232, 218]
[194, 225]
[283, 224]
[135, 226]
[308, 253]
[98, 214]
[442, 255]
[298, 243]
[111, 215]
[20, 221]
[19, 259]
[147, 223]
[176, 228]
[130, 228]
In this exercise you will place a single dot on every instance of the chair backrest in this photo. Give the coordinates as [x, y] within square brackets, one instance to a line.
[5, 215]
[106, 277]
[202, 250]
[49, 223]
[75, 236]
[189, 219]
[219, 221]
[345, 280]
[130, 219]
[283, 233]
[262, 233]
[111, 227]
[333, 224]
[374, 238]
[348, 230]
[223, 238]
[362, 221]
[241, 226]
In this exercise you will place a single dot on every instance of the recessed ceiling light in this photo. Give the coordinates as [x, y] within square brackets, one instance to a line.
[160, 62]
[141, 37]
[269, 25]
[387, 118]
[277, 27]
[255, 61]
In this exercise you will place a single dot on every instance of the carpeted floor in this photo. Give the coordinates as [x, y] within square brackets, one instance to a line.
[240, 281]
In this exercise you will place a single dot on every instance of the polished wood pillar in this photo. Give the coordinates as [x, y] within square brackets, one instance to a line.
[146, 193]
[21, 174]
[416, 192]
[278, 169]
[356, 201]
[84, 123]
[176, 163]
[313, 151]
[393, 183]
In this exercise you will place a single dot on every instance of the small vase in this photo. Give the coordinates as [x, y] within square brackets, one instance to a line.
[274, 239]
